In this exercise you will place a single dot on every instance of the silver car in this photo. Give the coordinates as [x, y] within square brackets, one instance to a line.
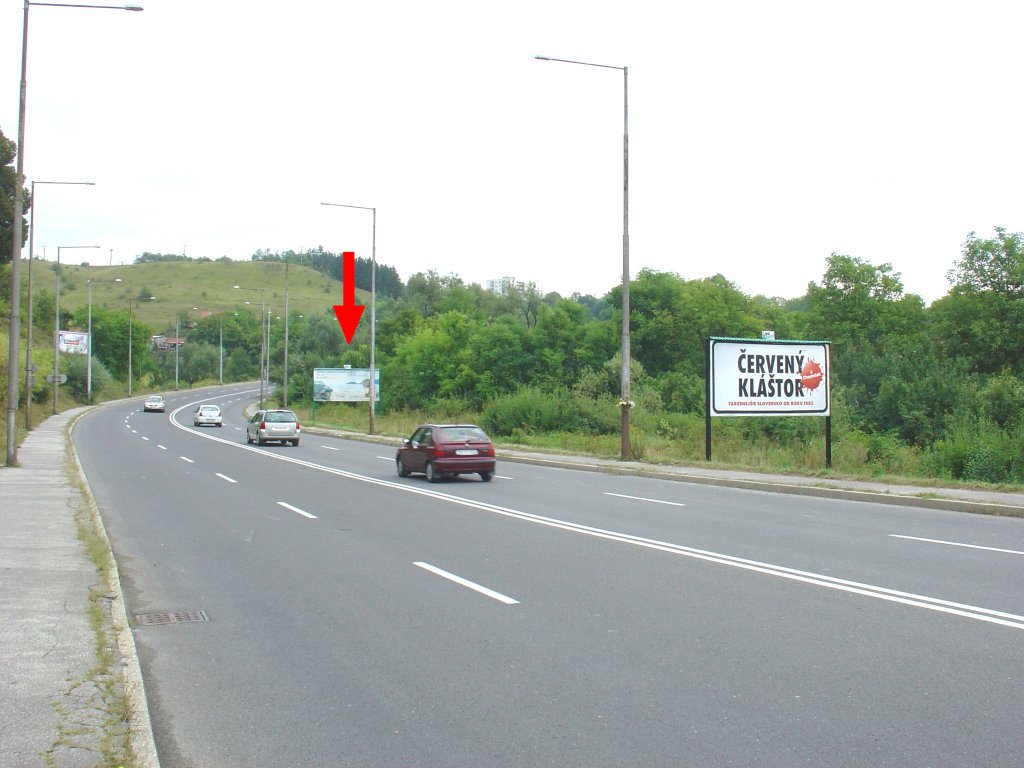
[273, 426]
[208, 415]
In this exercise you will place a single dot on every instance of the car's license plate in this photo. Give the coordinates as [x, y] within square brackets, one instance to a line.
[466, 452]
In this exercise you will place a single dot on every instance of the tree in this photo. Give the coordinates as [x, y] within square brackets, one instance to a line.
[995, 265]
[858, 303]
[77, 369]
[981, 317]
[670, 317]
[8, 172]
[110, 336]
[198, 362]
[498, 355]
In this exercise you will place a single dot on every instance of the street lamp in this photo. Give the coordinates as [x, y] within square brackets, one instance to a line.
[177, 338]
[373, 310]
[14, 330]
[88, 386]
[284, 378]
[625, 403]
[56, 325]
[29, 368]
[263, 336]
[220, 333]
[141, 298]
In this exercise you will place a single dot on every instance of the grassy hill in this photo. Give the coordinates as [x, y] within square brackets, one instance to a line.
[185, 285]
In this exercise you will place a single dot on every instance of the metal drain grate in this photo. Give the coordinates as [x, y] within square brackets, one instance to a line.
[170, 617]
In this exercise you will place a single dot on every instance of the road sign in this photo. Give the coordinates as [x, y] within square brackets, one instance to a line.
[60, 378]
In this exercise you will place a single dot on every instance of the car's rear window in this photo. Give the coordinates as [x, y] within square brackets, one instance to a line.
[210, 410]
[278, 416]
[458, 434]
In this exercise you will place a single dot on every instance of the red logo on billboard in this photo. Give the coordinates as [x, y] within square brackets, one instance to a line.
[810, 375]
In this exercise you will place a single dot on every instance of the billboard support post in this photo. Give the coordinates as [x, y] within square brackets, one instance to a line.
[828, 442]
[707, 399]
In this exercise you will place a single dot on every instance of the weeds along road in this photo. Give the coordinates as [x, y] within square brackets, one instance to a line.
[341, 615]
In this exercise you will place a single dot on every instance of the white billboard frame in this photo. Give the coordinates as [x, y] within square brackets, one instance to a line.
[762, 377]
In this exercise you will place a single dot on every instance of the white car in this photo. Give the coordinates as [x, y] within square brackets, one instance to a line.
[153, 403]
[207, 415]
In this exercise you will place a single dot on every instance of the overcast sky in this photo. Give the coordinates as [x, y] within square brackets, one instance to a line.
[763, 136]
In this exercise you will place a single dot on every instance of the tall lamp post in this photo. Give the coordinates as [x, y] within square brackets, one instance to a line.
[625, 403]
[373, 310]
[177, 339]
[14, 329]
[141, 298]
[263, 335]
[56, 325]
[29, 368]
[88, 378]
[284, 378]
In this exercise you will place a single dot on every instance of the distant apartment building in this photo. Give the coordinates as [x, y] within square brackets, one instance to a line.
[502, 285]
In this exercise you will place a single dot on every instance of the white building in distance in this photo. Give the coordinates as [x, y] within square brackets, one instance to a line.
[502, 285]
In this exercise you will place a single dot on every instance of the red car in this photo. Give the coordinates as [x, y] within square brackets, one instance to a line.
[445, 450]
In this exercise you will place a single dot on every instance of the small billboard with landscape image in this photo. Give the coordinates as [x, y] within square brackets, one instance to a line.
[344, 385]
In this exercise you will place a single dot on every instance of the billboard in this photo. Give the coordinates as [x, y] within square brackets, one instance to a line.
[344, 385]
[73, 342]
[753, 377]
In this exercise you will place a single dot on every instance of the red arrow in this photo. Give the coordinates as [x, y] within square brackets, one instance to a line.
[349, 313]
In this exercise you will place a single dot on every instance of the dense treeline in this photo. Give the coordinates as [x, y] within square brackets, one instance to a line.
[330, 264]
[934, 391]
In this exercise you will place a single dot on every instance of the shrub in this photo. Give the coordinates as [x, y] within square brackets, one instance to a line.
[526, 410]
[77, 369]
[529, 410]
[986, 466]
[1001, 399]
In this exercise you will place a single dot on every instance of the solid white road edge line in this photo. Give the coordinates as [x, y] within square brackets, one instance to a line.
[868, 590]
[466, 583]
[641, 498]
[286, 505]
[957, 544]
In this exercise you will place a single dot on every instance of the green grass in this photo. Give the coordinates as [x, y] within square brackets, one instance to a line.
[180, 286]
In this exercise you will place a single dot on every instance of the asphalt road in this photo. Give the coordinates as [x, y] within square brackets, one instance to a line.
[549, 617]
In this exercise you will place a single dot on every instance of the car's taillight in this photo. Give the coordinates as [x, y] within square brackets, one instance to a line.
[297, 427]
[263, 425]
[439, 452]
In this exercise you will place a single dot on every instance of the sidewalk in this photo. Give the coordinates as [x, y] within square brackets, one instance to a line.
[61, 703]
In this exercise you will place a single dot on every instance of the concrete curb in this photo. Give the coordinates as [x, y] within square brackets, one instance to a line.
[930, 498]
[796, 489]
[140, 726]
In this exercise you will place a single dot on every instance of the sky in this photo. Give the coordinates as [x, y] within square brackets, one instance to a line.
[763, 137]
